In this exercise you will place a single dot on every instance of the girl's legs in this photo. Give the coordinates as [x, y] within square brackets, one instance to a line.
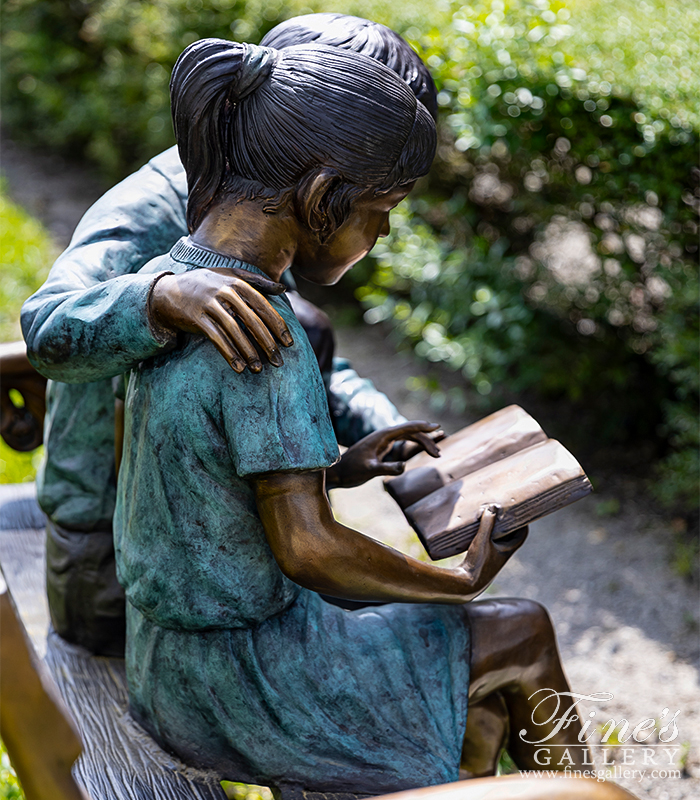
[513, 656]
[486, 736]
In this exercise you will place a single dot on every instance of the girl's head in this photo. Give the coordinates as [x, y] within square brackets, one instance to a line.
[362, 36]
[261, 124]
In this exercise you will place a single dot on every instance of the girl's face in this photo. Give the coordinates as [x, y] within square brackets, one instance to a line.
[326, 263]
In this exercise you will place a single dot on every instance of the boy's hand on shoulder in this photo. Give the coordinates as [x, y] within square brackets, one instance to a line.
[214, 302]
[364, 460]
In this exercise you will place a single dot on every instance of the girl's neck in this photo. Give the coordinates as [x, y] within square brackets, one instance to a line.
[242, 230]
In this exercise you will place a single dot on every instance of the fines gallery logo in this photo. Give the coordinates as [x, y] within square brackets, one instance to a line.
[628, 750]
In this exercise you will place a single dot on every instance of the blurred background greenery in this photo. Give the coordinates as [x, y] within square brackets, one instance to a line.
[26, 253]
[554, 247]
[553, 250]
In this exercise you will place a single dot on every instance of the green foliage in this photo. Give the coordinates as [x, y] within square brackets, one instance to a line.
[685, 556]
[554, 245]
[9, 785]
[18, 467]
[506, 765]
[26, 253]
[241, 791]
[91, 78]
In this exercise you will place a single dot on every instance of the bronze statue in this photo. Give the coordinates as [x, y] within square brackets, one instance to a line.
[137, 220]
[513, 649]
[224, 536]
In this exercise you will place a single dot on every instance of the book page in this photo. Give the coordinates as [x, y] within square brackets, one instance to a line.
[489, 440]
[527, 485]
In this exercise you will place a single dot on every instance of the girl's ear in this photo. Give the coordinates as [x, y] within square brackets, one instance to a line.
[313, 201]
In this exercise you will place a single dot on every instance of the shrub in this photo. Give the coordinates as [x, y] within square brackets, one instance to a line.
[555, 243]
[91, 78]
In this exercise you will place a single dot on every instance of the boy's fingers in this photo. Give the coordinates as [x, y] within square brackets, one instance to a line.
[227, 325]
[260, 282]
[252, 322]
[227, 350]
[426, 443]
[270, 317]
[405, 429]
[390, 467]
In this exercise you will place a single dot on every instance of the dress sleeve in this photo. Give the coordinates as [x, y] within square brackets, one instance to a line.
[89, 321]
[278, 421]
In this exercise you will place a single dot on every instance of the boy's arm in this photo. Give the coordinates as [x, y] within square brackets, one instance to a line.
[91, 320]
[358, 408]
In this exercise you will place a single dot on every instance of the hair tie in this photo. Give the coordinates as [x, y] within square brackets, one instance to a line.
[256, 66]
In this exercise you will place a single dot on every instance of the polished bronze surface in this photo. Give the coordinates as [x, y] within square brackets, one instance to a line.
[514, 656]
[273, 240]
[208, 301]
[34, 724]
[525, 486]
[490, 439]
[517, 787]
[316, 551]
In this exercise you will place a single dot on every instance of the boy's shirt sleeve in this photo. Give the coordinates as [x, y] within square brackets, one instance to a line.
[358, 408]
[89, 320]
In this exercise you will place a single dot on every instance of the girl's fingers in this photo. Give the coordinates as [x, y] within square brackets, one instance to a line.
[227, 350]
[487, 522]
[271, 319]
[227, 325]
[478, 550]
[252, 322]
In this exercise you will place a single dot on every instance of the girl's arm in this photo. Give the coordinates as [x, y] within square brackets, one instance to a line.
[317, 552]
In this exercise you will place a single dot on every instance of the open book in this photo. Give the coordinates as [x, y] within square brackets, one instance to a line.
[506, 459]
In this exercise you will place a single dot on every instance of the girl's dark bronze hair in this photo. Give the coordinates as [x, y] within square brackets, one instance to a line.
[362, 36]
[256, 122]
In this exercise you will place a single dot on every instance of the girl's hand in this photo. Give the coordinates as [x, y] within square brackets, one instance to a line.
[363, 460]
[205, 301]
[485, 557]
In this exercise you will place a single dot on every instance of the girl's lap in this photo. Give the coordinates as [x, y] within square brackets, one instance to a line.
[334, 699]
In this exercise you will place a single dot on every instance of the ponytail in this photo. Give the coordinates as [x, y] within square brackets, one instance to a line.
[209, 78]
[253, 122]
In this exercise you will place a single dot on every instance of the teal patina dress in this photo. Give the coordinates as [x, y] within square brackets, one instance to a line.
[230, 664]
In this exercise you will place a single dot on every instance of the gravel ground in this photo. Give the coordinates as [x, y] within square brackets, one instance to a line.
[627, 625]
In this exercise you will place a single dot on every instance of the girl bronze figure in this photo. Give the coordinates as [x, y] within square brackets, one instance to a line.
[224, 535]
